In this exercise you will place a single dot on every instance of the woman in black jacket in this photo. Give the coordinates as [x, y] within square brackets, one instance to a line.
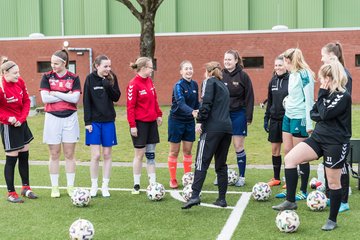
[277, 91]
[101, 90]
[214, 125]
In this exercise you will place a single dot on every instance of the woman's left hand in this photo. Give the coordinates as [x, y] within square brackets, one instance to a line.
[198, 128]
[159, 121]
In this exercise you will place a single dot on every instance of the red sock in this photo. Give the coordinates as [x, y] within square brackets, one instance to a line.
[187, 163]
[172, 163]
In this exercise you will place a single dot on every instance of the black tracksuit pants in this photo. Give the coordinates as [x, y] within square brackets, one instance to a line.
[212, 144]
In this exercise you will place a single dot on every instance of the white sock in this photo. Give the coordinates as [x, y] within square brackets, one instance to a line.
[70, 178]
[54, 178]
[152, 178]
[137, 178]
[105, 182]
[94, 182]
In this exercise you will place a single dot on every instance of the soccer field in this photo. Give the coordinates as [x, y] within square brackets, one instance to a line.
[127, 216]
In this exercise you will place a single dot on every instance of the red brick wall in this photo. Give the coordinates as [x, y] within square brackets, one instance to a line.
[171, 50]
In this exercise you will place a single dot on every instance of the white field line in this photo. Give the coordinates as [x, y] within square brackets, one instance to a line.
[235, 216]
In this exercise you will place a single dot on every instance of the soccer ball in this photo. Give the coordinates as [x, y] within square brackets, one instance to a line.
[287, 221]
[81, 229]
[316, 201]
[155, 191]
[261, 191]
[187, 192]
[284, 101]
[233, 177]
[187, 179]
[81, 197]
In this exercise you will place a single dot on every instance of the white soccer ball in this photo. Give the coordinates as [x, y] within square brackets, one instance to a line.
[81, 229]
[233, 176]
[287, 221]
[187, 192]
[261, 191]
[284, 101]
[155, 191]
[316, 201]
[81, 197]
[188, 178]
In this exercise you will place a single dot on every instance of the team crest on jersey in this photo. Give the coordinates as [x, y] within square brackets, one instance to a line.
[142, 92]
[68, 85]
[235, 84]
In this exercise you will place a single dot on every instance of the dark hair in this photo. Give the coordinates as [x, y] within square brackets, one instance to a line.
[237, 57]
[97, 62]
[336, 49]
[140, 63]
[64, 55]
[214, 69]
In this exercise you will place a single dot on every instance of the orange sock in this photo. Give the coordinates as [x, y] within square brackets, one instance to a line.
[172, 163]
[187, 163]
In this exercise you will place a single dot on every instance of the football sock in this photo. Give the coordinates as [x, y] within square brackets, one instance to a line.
[345, 183]
[152, 177]
[9, 171]
[291, 176]
[105, 182]
[172, 164]
[70, 178]
[187, 163]
[335, 201]
[276, 161]
[304, 173]
[24, 167]
[54, 178]
[137, 179]
[94, 182]
[241, 161]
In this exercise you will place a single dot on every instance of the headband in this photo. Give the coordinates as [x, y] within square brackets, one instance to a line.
[10, 67]
[59, 58]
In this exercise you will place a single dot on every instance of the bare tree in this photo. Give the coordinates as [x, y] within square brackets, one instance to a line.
[147, 20]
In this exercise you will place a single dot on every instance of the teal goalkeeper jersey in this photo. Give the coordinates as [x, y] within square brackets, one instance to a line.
[301, 97]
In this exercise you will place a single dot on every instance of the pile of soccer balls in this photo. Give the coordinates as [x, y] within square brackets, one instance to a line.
[81, 197]
[187, 181]
[81, 229]
[155, 191]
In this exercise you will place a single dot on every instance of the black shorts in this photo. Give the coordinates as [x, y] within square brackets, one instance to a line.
[147, 134]
[15, 138]
[334, 155]
[275, 131]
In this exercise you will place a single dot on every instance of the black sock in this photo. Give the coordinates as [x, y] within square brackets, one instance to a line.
[276, 161]
[304, 173]
[345, 183]
[24, 167]
[9, 171]
[335, 201]
[291, 176]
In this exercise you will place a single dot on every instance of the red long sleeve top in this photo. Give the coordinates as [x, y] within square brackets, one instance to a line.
[141, 101]
[14, 101]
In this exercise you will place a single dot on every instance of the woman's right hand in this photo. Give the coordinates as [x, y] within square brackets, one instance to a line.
[89, 128]
[134, 132]
[12, 120]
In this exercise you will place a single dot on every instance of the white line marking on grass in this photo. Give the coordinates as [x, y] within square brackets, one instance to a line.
[235, 216]
[177, 196]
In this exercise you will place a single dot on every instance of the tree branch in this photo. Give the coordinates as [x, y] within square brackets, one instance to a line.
[131, 7]
[157, 4]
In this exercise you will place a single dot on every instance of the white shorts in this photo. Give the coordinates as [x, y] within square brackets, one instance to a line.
[61, 130]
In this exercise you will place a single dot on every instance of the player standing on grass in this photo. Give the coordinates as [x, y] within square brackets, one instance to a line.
[60, 91]
[15, 133]
[144, 117]
[333, 51]
[277, 91]
[241, 106]
[181, 124]
[101, 90]
[297, 124]
[330, 139]
[214, 126]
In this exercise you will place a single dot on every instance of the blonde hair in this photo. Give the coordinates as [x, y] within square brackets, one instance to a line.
[6, 66]
[297, 60]
[336, 72]
[140, 63]
[183, 63]
[337, 50]
[214, 69]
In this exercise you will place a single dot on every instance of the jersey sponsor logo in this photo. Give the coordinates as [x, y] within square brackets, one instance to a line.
[142, 92]
[98, 88]
[235, 84]
[12, 99]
